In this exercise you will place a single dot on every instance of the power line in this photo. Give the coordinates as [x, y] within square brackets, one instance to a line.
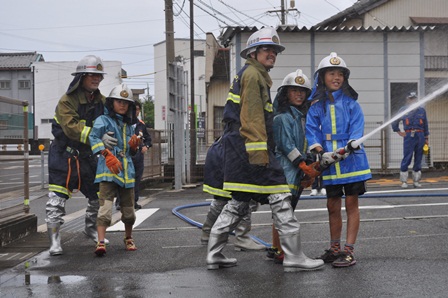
[239, 11]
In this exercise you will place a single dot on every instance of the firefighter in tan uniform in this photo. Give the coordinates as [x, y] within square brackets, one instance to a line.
[251, 170]
[71, 164]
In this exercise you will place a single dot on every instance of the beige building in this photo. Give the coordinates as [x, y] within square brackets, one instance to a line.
[391, 47]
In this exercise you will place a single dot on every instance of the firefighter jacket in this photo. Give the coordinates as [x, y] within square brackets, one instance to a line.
[74, 117]
[331, 125]
[71, 164]
[213, 171]
[249, 162]
[289, 135]
[122, 132]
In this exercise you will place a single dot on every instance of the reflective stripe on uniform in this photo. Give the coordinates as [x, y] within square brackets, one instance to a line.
[348, 175]
[60, 189]
[234, 98]
[268, 189]
[216, 191]
[268, 107]
[98, 145]
[85, 134]
[256, 146]
[114, 176]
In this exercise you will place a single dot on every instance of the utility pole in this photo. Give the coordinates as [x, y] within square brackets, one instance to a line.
[169, 33]
[284, 11]
[192, 103]
[174, 100]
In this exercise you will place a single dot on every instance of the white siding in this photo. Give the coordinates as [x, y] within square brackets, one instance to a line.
[182, 50]
[51, 82]
[398, 12]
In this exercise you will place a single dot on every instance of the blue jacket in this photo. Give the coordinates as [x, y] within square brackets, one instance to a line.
[331, 126]
[123, 133]
[289, 136]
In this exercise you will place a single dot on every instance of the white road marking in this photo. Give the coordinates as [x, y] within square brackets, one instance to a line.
[141, 215]
[366, 207]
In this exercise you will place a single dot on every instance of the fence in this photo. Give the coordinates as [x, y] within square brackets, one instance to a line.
[384, 149]
[14, 129]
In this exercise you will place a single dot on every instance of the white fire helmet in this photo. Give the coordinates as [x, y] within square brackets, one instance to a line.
[412, 95]
[122, 92]
[297, 79]
[333, 60]
[264, 37]
[90, 64]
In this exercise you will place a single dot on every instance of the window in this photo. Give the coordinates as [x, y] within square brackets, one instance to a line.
[45, 121]
[198, 53]
[3, 124]
[218, 126]
[398, 94]
[24, 84]
[5, 84]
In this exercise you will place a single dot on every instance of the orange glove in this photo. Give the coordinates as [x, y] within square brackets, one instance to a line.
[310, 170]
[306, 181]
[112, 163]
[134, 142]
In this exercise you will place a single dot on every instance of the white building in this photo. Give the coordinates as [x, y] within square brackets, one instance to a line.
[162, 114]
[51, 81]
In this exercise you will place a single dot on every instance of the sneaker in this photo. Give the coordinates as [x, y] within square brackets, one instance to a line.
[313, 192]
[272, 251]
[279, 257]
[323, 192]
[130, 245]
[417, 184]
[100, 249]
[344, 260]
[137, 206]
[404, 185]
[329, 256]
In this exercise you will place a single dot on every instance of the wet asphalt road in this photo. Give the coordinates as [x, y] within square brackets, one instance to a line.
[401, 252]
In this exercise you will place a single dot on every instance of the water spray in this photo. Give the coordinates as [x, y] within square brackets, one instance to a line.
[424, 100]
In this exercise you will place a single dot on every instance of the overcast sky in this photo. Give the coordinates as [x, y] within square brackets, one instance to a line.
[127, 30]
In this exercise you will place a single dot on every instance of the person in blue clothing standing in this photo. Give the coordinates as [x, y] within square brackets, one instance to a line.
[415, 136]
[139, 158]
[333, 122]
[115, 171]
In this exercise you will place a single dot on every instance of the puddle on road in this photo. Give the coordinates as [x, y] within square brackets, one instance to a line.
[34, 279]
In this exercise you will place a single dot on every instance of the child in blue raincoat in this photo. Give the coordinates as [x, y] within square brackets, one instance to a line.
[334, 121]
[115, 172]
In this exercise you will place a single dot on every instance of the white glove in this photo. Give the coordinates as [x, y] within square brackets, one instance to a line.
[327, 159]
[338, 154]
[109, 141]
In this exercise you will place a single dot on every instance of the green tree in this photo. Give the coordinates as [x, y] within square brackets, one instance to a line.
[148, 110]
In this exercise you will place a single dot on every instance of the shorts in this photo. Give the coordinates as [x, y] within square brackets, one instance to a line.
[108, 191]
[350, 189]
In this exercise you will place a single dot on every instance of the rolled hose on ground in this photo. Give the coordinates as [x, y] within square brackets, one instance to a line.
[176, 210]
